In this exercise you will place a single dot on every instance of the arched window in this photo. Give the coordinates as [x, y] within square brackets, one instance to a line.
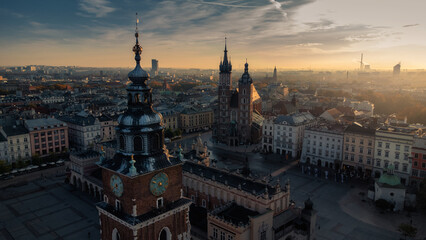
[115, 234]
[122, 143]
[137, 144]
[129, 99]
[165, 234]
[155, 141]
[137, 100]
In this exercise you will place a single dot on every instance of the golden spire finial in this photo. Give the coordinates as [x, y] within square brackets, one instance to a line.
[137, 49]
[132, 157]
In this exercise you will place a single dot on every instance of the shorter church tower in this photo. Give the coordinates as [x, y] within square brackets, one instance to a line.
[245, 103]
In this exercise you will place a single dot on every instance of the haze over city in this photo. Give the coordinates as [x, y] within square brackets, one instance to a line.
[328, 34]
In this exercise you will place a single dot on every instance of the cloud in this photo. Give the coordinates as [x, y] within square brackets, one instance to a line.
[225, 4]
[411, 25]
[99, 8]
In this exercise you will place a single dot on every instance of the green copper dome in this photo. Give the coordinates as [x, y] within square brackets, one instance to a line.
[389, 178]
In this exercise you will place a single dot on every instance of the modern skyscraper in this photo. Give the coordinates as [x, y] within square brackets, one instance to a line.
[238, 108]
[142, 183]
[396, 70]
[154, 68]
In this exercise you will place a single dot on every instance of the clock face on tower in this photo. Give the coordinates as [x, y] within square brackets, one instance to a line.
[159, 184]
[116, 185]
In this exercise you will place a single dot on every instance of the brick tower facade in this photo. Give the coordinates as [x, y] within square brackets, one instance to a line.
[237, 108]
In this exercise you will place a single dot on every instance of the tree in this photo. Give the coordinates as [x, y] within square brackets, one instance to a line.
[36, 160]
[178, 132]
[168, 133]
[407, 230]
[4, 167]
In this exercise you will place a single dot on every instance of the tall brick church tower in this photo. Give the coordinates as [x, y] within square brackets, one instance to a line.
[142, 183]
[224, 96]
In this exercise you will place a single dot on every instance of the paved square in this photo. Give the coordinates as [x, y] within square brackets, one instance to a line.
[47, 209]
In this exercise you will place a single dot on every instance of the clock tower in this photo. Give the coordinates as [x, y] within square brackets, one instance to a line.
[142, 182]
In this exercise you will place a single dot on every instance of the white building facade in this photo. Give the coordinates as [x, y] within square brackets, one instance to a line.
[288, 133]
[268, 131]
[393, 146]
[83, 131]
[322, 146]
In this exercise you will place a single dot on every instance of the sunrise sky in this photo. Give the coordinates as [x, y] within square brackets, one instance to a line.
[295, 34]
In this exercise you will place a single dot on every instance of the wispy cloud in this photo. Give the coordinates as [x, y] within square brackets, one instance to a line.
[99, 8]
[411, 25]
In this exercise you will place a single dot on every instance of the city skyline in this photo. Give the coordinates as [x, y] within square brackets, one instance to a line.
[190, 34]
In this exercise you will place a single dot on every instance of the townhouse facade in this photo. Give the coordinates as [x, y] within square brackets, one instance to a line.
[323, 145]
[418, 152]
[288, 133]
[393, 146]
[18, 143]
[84, 131]
[47, 135]
[358, 150]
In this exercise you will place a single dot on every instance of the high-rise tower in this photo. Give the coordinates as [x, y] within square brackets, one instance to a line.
[142, 183]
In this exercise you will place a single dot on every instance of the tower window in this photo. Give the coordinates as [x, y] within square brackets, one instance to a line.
[137, 98]
[122, 143]
[160, 202]
[118, 205]
[155, 141]
[115, 234]
[130, 99]
[137, 143]
[165, 234]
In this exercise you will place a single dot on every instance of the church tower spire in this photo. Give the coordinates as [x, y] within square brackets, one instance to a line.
[225, 65]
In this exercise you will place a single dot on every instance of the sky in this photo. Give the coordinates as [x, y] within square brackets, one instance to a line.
[292, 34]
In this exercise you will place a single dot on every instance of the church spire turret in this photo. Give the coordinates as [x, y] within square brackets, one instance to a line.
[275, 76]
[225, 65]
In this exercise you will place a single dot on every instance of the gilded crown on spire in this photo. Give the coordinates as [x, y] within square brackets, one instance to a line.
[137, 49]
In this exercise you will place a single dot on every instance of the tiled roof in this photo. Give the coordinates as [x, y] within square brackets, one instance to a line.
[79, 120]
[44, 122]
[285, 217]
[237, 214]
[15, 130]
[2, 138]
[355, 128]
[294, 119]
[229, 179]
